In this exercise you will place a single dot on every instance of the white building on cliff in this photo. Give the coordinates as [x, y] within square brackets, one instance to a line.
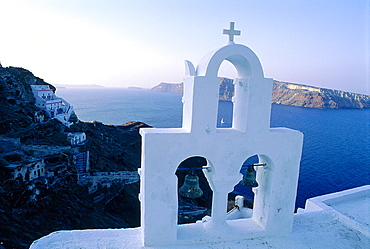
[54, 106]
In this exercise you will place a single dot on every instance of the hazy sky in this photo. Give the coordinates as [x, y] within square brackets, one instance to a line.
[142, 43]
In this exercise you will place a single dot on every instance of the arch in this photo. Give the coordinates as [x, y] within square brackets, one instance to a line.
[263, 158]
[243, 58]
[201, 206]
[227, 69]
[239, 189]
[226, 93]
[246, 206]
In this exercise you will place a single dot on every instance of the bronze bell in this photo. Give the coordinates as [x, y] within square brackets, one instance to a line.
[190, 188]
[249, 179]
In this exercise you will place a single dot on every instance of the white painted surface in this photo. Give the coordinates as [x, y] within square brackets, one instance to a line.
[225, 150]
[76, 138]
[351, 207]
[54, 106]
[317, 229]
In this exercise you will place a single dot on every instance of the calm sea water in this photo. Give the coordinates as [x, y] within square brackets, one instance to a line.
[336, 148]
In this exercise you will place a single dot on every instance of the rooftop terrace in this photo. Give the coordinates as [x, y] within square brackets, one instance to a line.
[338, 220]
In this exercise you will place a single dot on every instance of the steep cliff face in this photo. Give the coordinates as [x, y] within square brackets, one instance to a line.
[292, 94]
[315, 97]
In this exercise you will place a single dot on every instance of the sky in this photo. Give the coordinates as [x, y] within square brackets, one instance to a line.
[322, 43]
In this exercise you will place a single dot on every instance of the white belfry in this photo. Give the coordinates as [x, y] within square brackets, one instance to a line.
[225, 150]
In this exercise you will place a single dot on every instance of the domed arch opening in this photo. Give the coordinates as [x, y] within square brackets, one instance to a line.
[241, 199]
[192, 207]
[227, 74]
[243, 58]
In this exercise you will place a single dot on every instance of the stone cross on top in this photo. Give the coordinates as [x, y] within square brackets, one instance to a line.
[231, 32]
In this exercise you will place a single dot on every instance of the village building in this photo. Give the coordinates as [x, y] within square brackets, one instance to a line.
[27, 171]
[54, 106]
[29, 162]
[39, 117]
[45, 167]
[56, 165]
[48, 166]
[76, 138]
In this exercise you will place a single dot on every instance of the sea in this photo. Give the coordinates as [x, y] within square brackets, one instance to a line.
[336, 147]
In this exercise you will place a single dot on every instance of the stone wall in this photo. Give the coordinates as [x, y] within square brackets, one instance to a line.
[106, 179]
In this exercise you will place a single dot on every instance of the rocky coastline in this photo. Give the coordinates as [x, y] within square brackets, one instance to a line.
[292, 94]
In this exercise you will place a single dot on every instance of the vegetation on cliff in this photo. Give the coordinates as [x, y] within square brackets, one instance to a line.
[17, 109]
[30, 210]
[33, 208]
[112, 148]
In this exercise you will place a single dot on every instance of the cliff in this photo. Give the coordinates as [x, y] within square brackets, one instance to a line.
[315, 97]
[291, 94]
[33, 207]
[17, 109]
[168, 87]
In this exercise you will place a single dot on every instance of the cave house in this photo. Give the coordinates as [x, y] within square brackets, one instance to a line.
[27, 171]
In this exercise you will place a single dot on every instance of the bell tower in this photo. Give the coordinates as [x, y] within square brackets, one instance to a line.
[225, 149]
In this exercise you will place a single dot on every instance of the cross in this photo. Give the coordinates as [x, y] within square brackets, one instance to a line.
[231, 32]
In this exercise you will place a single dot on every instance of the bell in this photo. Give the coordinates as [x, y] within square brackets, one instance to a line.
[190, 188]
[249, 179]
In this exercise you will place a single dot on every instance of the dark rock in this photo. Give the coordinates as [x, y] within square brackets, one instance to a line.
[126, 204]
[17, 107]
[8, 144]
[32, 209]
